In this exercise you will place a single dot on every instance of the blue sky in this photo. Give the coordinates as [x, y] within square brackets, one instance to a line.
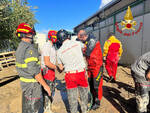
[66, 14]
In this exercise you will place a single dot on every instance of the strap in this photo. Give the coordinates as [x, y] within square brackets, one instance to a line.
[100, 74]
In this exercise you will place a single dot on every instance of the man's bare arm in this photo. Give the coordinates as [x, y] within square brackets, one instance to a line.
[40, 79]
[48, 63]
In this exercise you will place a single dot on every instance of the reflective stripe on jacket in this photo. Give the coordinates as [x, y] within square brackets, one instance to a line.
[27, 62]
[27, 80]
[31, 59]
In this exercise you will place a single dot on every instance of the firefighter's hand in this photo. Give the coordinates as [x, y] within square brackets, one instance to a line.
[148, 76]
[47, 89]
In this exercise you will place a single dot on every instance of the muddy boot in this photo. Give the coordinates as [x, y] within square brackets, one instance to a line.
[72, 98]
[48, 109]
[96, 104]
[84, 99]
[142, 98]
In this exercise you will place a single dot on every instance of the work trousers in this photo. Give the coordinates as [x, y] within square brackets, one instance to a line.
[111, 68]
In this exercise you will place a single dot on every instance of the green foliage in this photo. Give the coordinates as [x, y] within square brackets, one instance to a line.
[12, 13]
[5, 11]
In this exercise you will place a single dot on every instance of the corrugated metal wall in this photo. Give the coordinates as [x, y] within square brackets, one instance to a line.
[146, 34]
[133, 46]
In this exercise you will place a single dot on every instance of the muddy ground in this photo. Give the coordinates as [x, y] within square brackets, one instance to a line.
[117, 97]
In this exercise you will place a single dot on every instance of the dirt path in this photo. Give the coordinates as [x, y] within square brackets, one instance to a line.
[117, 97]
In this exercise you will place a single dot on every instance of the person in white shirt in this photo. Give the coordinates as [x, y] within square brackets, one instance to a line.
[70, 59]
[48, 66]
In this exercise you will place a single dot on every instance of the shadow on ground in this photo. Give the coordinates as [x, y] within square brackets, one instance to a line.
[9, 79]
[113, 95]
[125, 86]
[120, 103]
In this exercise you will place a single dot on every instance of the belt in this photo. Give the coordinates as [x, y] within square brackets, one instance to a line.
[27, 79]
[76, 71]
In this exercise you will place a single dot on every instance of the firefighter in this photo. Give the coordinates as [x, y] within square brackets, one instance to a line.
[140, 72]
[28, 67]
[70, 58]
[48, 65]
[112, 53]
[94, 58]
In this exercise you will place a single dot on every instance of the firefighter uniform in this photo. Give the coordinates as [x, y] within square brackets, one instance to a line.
[112, 51]
[28, 66]
[139, 71]
[94, 58]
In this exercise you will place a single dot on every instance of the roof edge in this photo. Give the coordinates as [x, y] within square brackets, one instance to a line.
[113, 2]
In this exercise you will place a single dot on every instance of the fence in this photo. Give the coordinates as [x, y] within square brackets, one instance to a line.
[7, 59]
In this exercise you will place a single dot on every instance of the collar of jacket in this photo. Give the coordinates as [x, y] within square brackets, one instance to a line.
[90, 36]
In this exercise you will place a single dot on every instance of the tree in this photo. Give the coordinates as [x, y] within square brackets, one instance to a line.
[5, 11]
[12, 13]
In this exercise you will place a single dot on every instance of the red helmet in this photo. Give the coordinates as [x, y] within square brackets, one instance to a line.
[52, 36]
[24, 28]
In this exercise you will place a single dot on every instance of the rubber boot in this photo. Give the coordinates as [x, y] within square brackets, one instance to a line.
[96, 104]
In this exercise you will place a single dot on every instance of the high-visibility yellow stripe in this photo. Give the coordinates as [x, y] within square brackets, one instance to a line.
[39, 62]
[27, 79]
[23, 30]
[27, 61]
[27, 26]
[97, 79]
[54, 37]
[21, 65]
[31, 59]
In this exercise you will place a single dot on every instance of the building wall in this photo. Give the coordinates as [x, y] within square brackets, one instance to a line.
[134, 45]
[146, 34]
[40, 40]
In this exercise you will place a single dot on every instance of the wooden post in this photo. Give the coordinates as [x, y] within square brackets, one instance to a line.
[1, 67]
